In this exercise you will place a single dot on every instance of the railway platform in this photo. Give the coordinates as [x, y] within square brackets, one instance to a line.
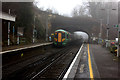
[20, 47]
[94, 61]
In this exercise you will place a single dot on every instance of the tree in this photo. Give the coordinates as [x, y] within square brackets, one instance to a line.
[74, 12]
[81, 10]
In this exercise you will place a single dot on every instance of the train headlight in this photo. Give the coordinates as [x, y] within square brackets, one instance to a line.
[55, 39]
[63, 39]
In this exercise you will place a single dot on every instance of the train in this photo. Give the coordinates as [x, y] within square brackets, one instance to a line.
[61, 37]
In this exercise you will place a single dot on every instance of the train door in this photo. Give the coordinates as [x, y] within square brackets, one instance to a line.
[59, 37]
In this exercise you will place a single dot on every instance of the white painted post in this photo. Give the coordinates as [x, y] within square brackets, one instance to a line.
[9, 31]
[18, 40]
[34, 31]
[13, 33]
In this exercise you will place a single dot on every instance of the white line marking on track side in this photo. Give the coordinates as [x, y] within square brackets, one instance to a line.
[68, 71]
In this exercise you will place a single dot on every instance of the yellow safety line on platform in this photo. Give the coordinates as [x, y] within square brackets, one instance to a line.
[90, 65]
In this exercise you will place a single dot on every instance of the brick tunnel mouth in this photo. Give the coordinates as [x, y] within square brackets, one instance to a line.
[82, 35]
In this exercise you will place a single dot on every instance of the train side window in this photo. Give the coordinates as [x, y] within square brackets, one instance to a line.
[67, 36]
[63, 35]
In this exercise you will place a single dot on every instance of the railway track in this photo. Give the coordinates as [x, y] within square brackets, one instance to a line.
[12, 58]
[16, 61]
[56, 68]
[52, 66]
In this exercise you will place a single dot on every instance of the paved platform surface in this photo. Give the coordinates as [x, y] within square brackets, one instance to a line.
[21, 46]
[101, 65]
[107, 64]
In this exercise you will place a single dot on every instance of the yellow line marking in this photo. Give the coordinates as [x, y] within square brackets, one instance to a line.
[90, 65]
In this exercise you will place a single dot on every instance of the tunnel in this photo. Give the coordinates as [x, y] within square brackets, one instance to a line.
[83, 36]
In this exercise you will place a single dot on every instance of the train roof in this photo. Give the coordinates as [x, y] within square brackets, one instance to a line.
[61, 30]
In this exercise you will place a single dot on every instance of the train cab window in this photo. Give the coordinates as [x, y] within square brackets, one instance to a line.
[55, 35]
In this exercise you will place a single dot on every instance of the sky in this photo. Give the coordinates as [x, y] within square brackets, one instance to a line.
[63, 7]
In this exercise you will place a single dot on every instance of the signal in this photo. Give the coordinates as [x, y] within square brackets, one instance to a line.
[116, 26]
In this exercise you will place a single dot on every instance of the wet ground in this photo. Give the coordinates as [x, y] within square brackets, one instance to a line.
[105, 65]
[83, 68]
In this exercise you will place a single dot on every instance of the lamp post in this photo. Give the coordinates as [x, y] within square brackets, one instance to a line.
[107, 34]
[108, 16]
[100, 34]
[118, 41]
